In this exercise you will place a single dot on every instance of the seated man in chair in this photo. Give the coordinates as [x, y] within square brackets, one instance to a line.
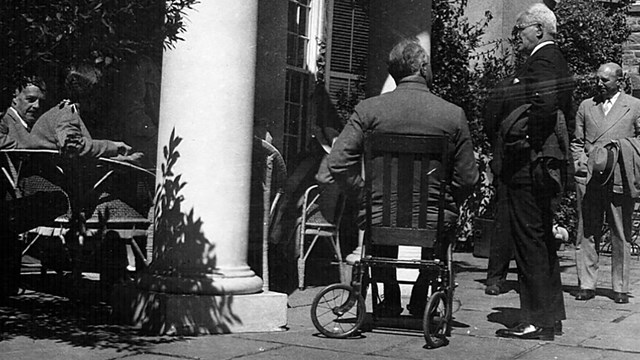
[60, 128]
[22, 126]
[410, 109]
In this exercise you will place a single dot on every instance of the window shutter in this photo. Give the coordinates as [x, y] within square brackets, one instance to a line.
[347, 47]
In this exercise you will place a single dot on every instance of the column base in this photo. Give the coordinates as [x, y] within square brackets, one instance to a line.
[157, 313]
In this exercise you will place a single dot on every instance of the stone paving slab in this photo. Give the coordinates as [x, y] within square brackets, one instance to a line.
[25, 348]
[460, 347]
[216, 347]
[369, 342]
[303, 353]
[43, 326]
[551, 351]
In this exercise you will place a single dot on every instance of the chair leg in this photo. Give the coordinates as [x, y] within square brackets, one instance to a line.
[301, 256]
[341, 265]
[301, 264]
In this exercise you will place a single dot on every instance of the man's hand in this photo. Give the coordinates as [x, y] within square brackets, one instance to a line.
[123, 149]
[135, 158]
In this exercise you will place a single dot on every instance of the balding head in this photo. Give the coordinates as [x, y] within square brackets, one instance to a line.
[612, 68]
[610, 77]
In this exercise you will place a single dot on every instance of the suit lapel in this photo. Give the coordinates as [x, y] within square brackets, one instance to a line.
[617, 111]
[597, 114]
[605, 122]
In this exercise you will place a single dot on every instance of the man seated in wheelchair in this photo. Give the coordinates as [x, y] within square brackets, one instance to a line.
[410, 109]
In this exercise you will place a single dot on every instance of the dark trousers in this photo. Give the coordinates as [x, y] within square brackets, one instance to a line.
[17, 216]
[528, 214]
[501, 247]
[10, 251]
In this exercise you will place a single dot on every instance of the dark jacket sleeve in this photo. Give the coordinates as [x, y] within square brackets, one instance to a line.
[493, 111]
[465, 171]
[549, 88]
[344, 161]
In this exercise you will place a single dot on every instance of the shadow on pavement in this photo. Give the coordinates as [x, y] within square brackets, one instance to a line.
[52, 308]
[508, 317]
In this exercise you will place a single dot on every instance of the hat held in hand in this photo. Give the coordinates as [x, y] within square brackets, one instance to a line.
[602, 161]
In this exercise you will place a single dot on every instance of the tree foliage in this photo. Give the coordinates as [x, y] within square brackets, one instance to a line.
[41, 35]
[591, 33]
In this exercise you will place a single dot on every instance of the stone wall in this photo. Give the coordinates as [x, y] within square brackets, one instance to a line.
[631, 55]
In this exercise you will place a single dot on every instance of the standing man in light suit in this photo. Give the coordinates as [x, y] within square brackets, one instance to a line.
[609, 116]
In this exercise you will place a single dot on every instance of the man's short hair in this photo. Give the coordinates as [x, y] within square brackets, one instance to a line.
[27, 80]
[541, 14]
[406, 58]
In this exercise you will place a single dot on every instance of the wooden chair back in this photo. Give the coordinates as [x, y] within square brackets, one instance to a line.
[414, 173]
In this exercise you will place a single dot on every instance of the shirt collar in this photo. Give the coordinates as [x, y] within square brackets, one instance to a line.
[544, 43]
[413, 81]
[614, 98]
[24, 123]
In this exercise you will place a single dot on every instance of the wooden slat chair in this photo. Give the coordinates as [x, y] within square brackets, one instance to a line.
[409, 168]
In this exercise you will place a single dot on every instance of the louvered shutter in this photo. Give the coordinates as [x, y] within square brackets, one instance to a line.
[347, 47]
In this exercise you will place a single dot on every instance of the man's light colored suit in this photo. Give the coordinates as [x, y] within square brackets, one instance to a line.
[593, 128]
[51, 130]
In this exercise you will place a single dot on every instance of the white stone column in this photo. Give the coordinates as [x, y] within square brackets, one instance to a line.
[199, 281]
[207, 100]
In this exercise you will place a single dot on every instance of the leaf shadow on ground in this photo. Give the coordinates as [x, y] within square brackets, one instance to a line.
[54, 307]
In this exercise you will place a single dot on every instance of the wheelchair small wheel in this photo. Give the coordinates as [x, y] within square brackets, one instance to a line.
[336, 313]
[435, 322]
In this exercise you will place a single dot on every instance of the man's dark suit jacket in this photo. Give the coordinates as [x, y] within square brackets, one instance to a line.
[544, 82]
[410, 109]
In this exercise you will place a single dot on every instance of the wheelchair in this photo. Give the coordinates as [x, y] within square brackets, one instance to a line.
[408, 168]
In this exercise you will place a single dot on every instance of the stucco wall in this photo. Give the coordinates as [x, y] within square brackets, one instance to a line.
[271, 69]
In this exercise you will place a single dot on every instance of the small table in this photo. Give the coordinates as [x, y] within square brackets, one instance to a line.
[106, 197]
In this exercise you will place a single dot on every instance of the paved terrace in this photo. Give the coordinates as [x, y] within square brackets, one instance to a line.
[43, 324]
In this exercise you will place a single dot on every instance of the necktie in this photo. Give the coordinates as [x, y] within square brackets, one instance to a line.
[607, 106]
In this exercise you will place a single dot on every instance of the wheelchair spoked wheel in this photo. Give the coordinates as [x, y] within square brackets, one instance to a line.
[435, 322]
[336, 312]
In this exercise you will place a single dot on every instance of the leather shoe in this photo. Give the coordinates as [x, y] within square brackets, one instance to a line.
[492, 290]
[527, 332]
[585, 294]
[621, 298]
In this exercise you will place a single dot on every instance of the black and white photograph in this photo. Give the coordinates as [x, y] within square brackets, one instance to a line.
[319, 179]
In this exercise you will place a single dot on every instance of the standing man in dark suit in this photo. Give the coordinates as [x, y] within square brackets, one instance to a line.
[531, 160]
[410, 109]
[609, 116]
